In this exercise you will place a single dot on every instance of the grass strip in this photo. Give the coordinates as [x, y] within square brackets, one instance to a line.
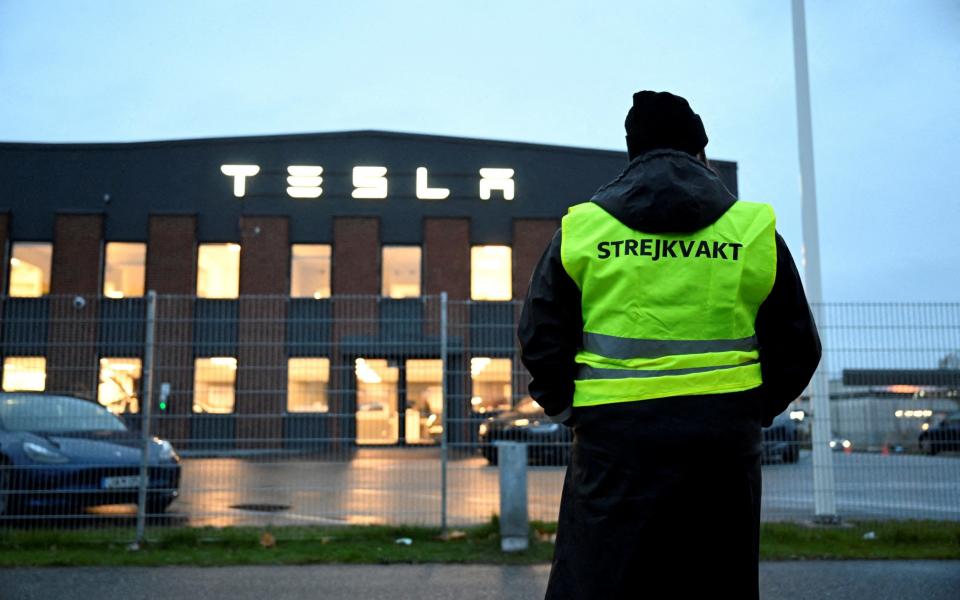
[209, 546]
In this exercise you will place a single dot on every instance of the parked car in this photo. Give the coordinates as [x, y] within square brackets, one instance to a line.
[942, 437]
[781, 440]
[547, 442]
[60, 453]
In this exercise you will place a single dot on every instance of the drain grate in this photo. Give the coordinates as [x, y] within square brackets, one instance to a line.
[261, 507]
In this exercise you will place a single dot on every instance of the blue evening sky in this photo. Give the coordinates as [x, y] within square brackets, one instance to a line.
[885, 80]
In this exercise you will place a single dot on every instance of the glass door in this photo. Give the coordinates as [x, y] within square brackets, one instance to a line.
[423, 412]
[377, 401]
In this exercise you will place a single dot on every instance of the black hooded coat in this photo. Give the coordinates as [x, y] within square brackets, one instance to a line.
[662, 497]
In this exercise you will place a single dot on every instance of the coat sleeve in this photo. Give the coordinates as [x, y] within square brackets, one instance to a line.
[550, 333]
[788, 339]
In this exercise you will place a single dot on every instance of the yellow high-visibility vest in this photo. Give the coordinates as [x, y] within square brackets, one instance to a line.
[668, 314]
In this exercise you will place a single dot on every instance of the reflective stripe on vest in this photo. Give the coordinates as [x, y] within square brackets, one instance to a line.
[668, 314]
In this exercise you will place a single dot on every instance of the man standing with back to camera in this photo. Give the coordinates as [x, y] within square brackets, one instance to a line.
[665, 324]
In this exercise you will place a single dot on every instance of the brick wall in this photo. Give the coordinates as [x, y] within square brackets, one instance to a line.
[172, 269]
[72, 361]
[261, 350]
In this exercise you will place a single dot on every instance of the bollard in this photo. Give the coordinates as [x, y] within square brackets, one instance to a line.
[514, 521]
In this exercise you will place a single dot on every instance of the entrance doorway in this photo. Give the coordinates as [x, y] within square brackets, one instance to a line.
[399, 401]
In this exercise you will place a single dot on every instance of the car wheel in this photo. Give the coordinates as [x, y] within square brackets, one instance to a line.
[927, 447]
[491, 456]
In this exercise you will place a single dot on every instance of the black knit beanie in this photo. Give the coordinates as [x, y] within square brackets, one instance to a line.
[662, 120]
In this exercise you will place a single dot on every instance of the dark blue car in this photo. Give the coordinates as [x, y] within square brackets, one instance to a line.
[61, 454]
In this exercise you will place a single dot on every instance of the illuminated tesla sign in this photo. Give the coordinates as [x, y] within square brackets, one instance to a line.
[369, 182]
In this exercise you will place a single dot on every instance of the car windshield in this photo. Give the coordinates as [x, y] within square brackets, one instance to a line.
[27, 412]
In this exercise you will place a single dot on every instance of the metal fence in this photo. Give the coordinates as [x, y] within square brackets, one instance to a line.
[362, 409]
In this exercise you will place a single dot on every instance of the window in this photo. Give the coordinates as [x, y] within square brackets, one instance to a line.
[30, 269]
[377, 396]
[124, 269]
[119, 388]
[423, 417]
[218, 271]
[401, 272]
[24, 374]
[213, 384]
[491, 384]
[490, 273]
[310, 271]
[307, 381]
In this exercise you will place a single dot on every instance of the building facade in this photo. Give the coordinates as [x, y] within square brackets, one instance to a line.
[298, 278]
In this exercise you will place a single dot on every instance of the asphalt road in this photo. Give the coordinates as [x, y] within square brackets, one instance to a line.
[848, 580]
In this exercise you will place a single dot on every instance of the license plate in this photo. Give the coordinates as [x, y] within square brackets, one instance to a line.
[126, 481]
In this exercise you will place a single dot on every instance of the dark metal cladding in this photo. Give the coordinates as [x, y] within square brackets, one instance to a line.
[127, 182]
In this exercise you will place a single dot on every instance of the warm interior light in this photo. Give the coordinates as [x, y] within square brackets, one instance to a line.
[30, 269]
[490, 273]
[491, 381]
[307, 382]
[218, 270]
[124, 269]
[24, 373]
[365, 372]
[478, 364]
[310, 271]
[903, 389]
[119, 385]
[401, 271]
[214, 385]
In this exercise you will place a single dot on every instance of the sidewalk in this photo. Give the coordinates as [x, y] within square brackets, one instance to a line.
[849, 580]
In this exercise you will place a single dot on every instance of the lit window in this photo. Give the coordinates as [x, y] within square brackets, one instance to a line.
[490, 273]
[491, 384]
[423, 418]
[124, 268]
[218, 271]
[377, 397]
[24, 374]
[310, 271]
[119, 388]
[307, 380]
[213, 384]
[30, 269]
[401, 271]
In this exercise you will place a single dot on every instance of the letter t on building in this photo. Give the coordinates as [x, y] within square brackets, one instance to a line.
[239, 174]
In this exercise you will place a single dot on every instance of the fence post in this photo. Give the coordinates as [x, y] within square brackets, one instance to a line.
[145, 411]
[824, 486]
[446, 421]
[514, 520]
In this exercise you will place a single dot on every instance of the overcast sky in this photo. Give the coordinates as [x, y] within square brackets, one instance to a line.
[885, 80]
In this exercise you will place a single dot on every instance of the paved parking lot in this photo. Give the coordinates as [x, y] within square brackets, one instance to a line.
[404, 486]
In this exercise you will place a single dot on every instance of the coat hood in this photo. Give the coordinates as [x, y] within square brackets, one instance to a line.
[665, 191]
